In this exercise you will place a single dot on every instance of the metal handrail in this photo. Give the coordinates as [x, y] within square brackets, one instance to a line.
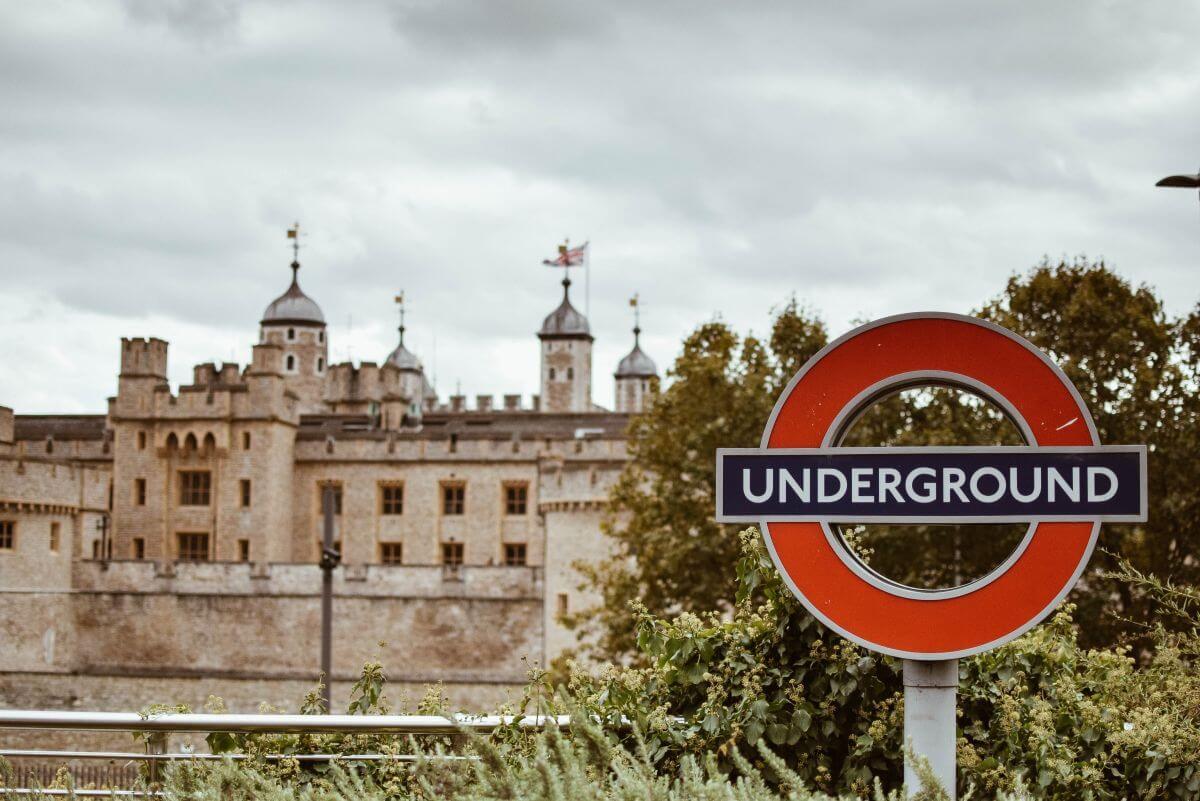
[116, 756]
[205, 722]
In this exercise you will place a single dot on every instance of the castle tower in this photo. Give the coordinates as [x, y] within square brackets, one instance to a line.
[566, 358]
[295, 323]
[414, 386]
[636, 376]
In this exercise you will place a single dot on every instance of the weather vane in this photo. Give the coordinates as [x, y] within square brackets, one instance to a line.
[400, 305]
[294, 235]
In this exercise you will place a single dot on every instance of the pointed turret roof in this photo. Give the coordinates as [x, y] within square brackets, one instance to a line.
[636, 363]
[294, 306]
[566, 320]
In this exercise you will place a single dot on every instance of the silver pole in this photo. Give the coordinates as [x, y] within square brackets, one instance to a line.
[329, 560]
[930, 722]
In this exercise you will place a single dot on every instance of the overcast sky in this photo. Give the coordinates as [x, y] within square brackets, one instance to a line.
[872, 158]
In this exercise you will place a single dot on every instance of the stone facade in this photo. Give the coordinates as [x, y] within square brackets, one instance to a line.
[168, 548]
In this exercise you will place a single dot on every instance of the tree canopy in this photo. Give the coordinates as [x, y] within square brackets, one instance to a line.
[1136, 368]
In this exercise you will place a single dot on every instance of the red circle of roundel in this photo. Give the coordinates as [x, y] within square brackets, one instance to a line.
[937, 626]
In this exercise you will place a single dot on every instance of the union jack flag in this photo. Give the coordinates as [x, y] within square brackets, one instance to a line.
[568, 256]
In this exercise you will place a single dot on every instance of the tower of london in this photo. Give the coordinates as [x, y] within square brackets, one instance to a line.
[167, 548]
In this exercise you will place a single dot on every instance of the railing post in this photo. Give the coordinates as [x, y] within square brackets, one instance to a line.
[156, 743]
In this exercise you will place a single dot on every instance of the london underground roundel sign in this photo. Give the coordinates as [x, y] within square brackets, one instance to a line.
[799, 484]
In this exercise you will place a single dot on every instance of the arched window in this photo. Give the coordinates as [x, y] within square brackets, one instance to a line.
[320, 363]
[291, 334]
[189, 443]
[291, 362]
[172, 442]
[210, 444]
[551, 373]
[321, 336]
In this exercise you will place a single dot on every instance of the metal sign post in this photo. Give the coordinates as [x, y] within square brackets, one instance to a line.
[930, 721]
[800, 484]
[330, 557]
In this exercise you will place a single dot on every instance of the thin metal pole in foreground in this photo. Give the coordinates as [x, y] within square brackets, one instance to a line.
[930, 720]
[329, 560]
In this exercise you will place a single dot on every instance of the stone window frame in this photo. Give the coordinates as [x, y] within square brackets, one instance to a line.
[510, 502]
[391, 506]
[139, 548]
[55, 535]
[139, 492]
[193, 546]
[245, 440]
[454, 506]
[8, 535]
[516, 554]
[195, 488]
[243, 550]
[245, 493]
[391, 553]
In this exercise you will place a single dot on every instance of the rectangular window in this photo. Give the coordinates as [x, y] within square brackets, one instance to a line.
[193, 546]
[453, 499]
[516, 499]
[514, 554]
[139, 491]
[564, 605]
[391, 553]
[452, 554]
[391, 499]
[245, 440]
[8, 535]
[139, 548]
[194, 487]
[243, 550]
[55, 528]
[141, 440]
[245, 486]
[337, 497]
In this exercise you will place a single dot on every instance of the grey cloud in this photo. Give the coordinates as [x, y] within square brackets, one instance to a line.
[871, 157]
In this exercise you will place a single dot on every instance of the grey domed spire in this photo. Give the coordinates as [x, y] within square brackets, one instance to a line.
[294, 306]
[636, 363]
[566, 320]
[402, 357]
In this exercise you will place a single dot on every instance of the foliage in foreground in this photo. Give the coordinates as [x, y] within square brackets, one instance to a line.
[584, 763]
[1071, 722]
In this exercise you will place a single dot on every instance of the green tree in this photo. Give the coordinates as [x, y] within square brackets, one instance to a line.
[1137, 369]
[669, 552]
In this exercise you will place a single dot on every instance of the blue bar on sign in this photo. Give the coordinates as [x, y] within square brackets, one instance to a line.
[932, 484]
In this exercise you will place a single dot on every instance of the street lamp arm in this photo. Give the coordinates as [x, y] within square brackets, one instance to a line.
[1184, 181]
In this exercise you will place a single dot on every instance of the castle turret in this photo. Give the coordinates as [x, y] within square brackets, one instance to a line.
[294, 322]
[636, 379]
[566, 358]
[413, 384]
